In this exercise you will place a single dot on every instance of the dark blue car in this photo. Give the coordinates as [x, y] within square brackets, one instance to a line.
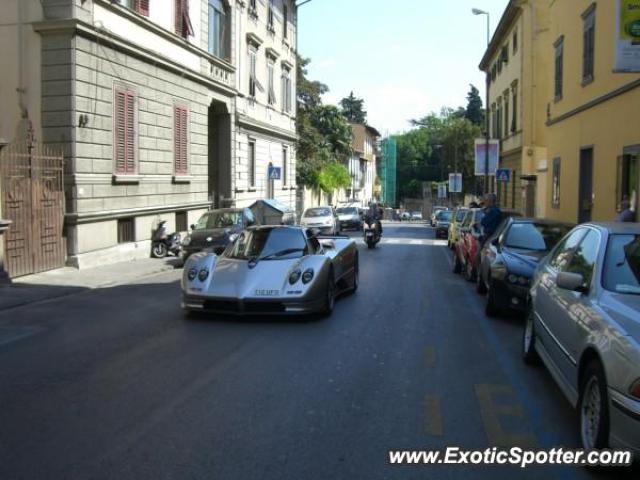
[509, 258]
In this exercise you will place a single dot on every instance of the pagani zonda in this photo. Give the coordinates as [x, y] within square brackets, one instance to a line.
[271, 270]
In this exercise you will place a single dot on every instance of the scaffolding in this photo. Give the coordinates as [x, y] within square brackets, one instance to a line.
[387, 171]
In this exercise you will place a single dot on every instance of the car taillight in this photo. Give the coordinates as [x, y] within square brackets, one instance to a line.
[634, 389]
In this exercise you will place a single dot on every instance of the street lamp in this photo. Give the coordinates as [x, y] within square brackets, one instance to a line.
[477, 11]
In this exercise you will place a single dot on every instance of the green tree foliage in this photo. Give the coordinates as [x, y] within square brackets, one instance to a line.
[441, 144]
[324, 136]
[353, 109]
[474, 111]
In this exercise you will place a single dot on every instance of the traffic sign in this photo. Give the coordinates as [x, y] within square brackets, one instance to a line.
[503, 175]
[275, 173]
[455, 182]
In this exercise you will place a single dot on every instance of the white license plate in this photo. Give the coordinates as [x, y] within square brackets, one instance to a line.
[267, 293]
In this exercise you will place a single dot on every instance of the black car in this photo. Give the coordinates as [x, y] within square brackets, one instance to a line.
[215, 229]
[443, 220]
[509, 258]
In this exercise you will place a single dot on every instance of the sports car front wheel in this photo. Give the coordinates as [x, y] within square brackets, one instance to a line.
[330, 296]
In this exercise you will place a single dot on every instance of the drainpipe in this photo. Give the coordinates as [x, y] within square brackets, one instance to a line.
[24, 113]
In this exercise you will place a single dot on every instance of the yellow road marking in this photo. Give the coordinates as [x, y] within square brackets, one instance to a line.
[491, 412]
[433, 420]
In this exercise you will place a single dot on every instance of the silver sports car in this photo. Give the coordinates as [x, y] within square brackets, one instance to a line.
[272, 270]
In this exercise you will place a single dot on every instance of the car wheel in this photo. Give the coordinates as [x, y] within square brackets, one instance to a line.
[529, 354]
[481, 287]
[593, 408]
[491, 309]
[159, 250]
[356, 276]
[330, 295]
[457, 266]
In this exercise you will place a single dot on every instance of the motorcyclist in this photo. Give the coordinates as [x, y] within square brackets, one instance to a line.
[373, 217]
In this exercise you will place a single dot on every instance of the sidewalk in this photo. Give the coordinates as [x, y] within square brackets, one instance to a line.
[69, 281]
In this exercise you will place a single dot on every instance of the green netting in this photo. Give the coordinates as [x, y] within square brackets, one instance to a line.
[387, 171]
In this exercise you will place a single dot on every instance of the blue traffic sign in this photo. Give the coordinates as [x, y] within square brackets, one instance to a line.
[275, 173]
[503, 175]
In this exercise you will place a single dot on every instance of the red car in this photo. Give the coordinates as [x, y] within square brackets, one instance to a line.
[468, 244]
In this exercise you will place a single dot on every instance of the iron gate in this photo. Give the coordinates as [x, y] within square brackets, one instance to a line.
[33, 199]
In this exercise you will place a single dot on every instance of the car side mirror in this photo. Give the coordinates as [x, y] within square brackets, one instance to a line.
[496, 242]
[571, 281]
[193, 226]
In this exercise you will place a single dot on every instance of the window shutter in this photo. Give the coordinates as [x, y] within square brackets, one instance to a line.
[130, 134]
[120, 132]
[181, 166]
[142, 7]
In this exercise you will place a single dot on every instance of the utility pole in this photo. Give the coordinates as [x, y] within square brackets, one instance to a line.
[477, 11]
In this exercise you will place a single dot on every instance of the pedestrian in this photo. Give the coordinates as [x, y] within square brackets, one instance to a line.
[626, 214]
[492, 216]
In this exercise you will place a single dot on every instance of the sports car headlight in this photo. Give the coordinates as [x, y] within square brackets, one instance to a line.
[203, 274]
[192, 274]
[307, 276]
[295, 276]
[186, 241]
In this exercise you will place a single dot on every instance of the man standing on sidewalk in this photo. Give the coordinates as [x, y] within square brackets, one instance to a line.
[492, 216]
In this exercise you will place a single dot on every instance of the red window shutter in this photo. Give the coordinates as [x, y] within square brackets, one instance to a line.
[130, 134]
[142, 7]
[120, 132]
[179, 17]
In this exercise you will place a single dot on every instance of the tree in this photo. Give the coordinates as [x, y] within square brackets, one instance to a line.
[353, 109]
[474, 111]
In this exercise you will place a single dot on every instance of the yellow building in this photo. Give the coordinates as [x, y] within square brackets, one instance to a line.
[592, 114]
[518, 86]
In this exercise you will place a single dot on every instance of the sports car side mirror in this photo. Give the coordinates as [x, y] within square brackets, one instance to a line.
[571, 281]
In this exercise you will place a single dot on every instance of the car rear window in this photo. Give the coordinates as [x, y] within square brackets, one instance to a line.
[347, 211]
[622, 264]
[317, 212]
[535, 236]
[444, 216]
[460, 215]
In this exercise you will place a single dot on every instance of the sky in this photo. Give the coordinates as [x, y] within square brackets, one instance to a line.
[405, 58]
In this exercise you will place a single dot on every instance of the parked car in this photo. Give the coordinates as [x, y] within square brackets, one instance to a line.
[584, 324]
[443, 220]
[349, 217]
[404, 216]
[466, 248]
[277, 270]
[323, 218]
[215, 229]
[454, 226]
[416, 216]
[434, 212]
[510, 257]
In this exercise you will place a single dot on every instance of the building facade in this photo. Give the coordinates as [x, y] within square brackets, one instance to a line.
[362, 166]
[516, 71]
[150, 102]
[592, 115]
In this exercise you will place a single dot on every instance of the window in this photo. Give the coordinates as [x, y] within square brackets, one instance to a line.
[126, 230]
[180, 140]
[588, 43]
[124, 132]
[270, 17]
[619, 275]
[514, 109]
[181, 222]
[555, 185]
[285, 164]
[286, 90]
[252, 163]
[494, 119]
[253, 8]
[584, 258]
[253, 81]
[219, 29]
[627, 179]
[139, 6]
[535, 236]
[182, 20]
[504, 54]
[270, 83]
[285, 20]
[515, 41]
[563, 252]
[499, 121]
[559, 68]
[506, 114]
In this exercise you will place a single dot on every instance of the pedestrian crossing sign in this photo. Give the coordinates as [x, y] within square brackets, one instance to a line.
[274, 173]
[503, 175]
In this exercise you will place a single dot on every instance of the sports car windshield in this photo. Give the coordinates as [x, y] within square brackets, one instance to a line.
[622, 264]
[219, 220]
[268, 244]
[541, 237]
[317, 212]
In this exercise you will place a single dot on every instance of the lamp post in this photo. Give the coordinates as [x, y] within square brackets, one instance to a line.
[477, 11]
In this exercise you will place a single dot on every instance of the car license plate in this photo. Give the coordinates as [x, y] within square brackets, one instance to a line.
[267, 293]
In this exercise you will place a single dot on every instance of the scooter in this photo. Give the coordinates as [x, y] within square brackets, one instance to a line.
[371, 234]
[163, 244]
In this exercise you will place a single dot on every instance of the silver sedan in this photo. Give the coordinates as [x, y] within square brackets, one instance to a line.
[584, 324]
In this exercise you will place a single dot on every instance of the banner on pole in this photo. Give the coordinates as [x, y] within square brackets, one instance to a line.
[480, 156]
[455, 182]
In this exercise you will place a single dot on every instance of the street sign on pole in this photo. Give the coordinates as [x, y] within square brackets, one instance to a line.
[274, 173]
[503, 175]
[480, 157]
[442, 191]
[455, 182]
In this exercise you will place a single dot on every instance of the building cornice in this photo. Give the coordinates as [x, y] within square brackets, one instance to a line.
[265, 128]
[89, 217]
[506, 21]
[75, 26]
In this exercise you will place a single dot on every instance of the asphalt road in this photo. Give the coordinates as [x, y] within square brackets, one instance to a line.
[118, 384]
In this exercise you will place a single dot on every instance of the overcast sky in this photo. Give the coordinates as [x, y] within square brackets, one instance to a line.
[406, 58]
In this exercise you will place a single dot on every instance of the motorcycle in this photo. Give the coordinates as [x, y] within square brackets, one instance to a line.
[372, 234]
[163, 244]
